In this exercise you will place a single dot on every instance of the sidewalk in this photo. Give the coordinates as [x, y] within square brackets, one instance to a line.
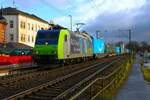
[135, 87]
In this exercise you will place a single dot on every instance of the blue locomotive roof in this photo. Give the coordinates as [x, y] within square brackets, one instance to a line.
[48, 31]
[117, 50]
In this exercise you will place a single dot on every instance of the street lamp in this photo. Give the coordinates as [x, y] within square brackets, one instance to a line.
[70, 22]
[97, 34]
[129, 36]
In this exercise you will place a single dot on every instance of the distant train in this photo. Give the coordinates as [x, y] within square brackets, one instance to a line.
[98, 48]
[63, 46]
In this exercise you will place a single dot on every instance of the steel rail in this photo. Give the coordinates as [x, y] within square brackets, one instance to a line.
[43, 77]
[25, 76]
[47, 84]
[65, 93]
[100, 78]
[21, 72]
[107, 84]
[29, 91]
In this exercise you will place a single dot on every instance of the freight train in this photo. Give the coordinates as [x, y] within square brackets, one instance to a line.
[63, 46]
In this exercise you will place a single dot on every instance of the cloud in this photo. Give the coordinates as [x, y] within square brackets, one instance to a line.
[113, 15]
[101, 15]
[127, 17]
[93, 9]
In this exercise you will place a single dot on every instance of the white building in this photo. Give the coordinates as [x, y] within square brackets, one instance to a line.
[22, 27]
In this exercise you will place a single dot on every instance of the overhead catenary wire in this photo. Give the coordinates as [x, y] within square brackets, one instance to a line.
[53, 7]
[96, 8]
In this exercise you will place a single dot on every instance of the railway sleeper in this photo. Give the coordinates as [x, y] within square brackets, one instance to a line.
[33, 97]
[44, 95]
[57, 89]
[54, 89]
[51, 94]
[60, 86]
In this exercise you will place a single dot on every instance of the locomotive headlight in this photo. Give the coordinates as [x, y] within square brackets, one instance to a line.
[53, 52]
[36, 52]
[22, 53]
[46, 43]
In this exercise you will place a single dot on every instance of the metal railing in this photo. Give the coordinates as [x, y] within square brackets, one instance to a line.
[83, 88]
[96, 87]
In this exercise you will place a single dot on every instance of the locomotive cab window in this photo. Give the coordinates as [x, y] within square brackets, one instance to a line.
[65, 38]
[49, 36]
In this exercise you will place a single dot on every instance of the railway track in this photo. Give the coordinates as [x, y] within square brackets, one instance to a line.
[27, 81]
[14, 71]
[59, 84]
[18, 74]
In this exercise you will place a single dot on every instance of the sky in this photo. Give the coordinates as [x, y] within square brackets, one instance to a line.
[113, 18]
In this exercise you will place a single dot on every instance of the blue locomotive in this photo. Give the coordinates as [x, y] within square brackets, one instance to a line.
[98, 47]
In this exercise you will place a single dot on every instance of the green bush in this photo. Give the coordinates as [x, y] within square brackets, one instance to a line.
[146, 73]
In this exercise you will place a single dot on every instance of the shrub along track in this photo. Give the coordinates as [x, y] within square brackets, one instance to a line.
[38, 80]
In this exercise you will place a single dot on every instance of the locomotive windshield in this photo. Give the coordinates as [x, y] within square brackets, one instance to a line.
[47, 36]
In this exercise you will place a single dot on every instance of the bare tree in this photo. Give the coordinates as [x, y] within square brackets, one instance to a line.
[133, 46]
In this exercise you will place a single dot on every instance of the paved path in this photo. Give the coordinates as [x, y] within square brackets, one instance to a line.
[135, 87]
